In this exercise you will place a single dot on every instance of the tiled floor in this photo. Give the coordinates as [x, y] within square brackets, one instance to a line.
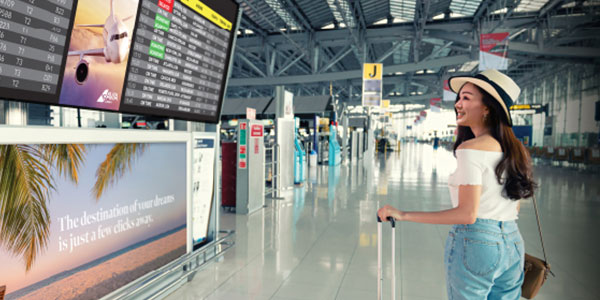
[320, 243]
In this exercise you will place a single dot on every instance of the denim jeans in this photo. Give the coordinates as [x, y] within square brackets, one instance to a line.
[484, 260]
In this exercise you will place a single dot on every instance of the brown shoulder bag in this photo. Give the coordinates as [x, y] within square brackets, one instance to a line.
[536, 270]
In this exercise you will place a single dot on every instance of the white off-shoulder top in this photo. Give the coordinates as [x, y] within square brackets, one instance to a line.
[477, 167]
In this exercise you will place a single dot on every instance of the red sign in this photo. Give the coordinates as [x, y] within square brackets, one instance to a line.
[242, 149]
[494, 43]
[250, 113]
[256, 147]
[243, 126]
[256, 130]
[242, 164]
[166, 5]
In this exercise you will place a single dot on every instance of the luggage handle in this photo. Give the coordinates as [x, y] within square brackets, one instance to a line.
[379, 259]
[391, 219]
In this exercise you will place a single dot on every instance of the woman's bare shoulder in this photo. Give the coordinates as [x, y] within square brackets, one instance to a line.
[483, 143]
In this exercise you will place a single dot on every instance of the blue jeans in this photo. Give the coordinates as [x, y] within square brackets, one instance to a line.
[484, 260]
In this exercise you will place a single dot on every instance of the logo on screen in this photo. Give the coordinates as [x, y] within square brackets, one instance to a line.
[108, 97]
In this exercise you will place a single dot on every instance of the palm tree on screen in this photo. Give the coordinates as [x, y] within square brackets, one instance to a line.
[118, 161]
[25, 185]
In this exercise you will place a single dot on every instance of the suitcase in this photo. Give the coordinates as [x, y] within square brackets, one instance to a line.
[380, 258]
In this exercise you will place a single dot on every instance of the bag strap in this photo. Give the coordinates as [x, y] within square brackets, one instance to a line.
[537, 217]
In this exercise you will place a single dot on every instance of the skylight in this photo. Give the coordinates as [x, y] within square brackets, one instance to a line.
[403, 9]
[464, 7]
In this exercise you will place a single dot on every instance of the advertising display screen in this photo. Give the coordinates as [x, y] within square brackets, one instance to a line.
[166, 58]
[203, 165]
[91, 217]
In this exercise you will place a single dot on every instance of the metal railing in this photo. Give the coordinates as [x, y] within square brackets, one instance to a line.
[180, 270]
[275, 166]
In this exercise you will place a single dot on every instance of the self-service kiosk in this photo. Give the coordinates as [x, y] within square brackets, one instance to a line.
[250, 176]
[335, 150]
[299, 157]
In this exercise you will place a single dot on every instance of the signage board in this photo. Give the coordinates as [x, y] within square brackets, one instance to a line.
[372, 84]
[242, 146]
[203, 164]
[257, 130]
[250, 113]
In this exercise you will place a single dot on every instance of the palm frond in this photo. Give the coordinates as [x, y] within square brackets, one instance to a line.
[118, 161]
[67, 158]
[25, 185]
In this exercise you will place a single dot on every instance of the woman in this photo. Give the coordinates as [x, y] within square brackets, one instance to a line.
[484, 254]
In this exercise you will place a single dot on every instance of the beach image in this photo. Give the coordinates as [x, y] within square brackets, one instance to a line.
[98, 52]
[96, 217]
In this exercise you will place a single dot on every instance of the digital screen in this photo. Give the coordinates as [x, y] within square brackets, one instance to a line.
[166, 58]
[97, 231]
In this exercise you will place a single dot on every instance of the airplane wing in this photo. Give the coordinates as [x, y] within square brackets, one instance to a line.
[90, 52]
[90, 25]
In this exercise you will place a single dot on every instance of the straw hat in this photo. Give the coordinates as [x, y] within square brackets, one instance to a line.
[499, 86]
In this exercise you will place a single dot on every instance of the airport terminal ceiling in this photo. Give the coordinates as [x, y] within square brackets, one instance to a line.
[306, 44]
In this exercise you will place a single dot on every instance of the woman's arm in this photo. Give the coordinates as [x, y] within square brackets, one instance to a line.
[464, 213]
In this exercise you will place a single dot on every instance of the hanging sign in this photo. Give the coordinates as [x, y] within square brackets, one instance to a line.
[493, 48]
[372, 84]
[250, 113]
[435, 104]
[449, 95]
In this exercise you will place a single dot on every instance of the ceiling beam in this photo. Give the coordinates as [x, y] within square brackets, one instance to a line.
[344, 75]
[402, 31]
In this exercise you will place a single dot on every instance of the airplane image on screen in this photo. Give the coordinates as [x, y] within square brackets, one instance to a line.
[116, 44]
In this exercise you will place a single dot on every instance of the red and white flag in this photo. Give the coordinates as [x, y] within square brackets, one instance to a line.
[449, 95]
[435, 104]
[493, 48]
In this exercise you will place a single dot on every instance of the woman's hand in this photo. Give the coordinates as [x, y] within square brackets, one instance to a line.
[390, 211]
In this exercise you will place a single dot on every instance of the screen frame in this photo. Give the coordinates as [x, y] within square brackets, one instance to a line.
[36, 97]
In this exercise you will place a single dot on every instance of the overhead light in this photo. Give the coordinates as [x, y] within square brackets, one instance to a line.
[399, 73]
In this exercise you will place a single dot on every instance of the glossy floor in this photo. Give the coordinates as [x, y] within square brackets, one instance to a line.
[320, 243]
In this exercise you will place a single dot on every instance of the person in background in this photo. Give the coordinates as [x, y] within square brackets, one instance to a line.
[484, 254]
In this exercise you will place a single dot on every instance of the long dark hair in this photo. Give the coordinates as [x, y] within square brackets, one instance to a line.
[518, 183]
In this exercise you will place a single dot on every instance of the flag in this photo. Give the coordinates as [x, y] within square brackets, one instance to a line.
[435, 104]
[493, 48]
[449, 95]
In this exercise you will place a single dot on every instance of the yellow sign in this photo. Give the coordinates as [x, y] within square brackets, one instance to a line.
[520, 106]
[373, 71]
[385, 104]
[208, 13]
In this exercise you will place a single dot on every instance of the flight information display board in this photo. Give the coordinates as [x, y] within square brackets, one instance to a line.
[165, 58]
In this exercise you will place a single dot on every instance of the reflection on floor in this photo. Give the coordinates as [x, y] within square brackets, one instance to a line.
[320, 243]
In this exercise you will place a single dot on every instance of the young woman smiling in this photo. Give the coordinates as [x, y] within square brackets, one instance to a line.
[484, 253]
